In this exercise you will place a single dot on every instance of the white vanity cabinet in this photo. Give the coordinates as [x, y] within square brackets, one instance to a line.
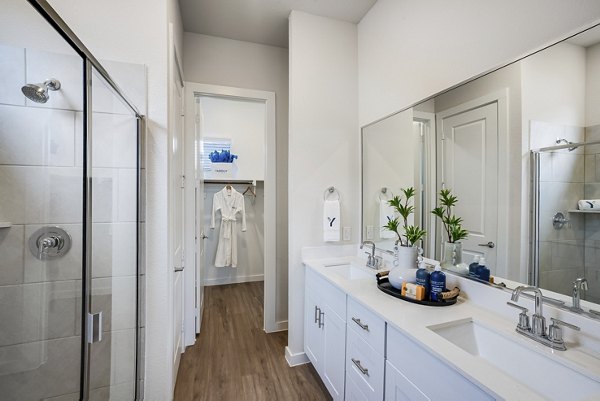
[412, 373]
[365, 360]
[325, 331]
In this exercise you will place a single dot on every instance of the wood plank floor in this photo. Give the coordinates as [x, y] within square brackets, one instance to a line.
[234, 359]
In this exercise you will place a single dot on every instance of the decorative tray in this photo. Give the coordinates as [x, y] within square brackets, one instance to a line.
[384, 285]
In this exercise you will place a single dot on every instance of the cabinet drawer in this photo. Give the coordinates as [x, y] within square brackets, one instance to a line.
[360, 355]
[423, 369]
[353, 393]
[369, 326]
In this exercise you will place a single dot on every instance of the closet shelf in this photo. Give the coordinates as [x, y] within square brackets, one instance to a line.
[584, 211]
[5, 224]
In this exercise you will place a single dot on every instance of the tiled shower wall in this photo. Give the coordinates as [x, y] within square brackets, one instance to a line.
[592, 221]
[561, 186]
[41, 184]
[566, 177]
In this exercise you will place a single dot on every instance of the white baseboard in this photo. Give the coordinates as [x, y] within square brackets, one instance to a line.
[277, 326]
[233, 280]
[295, 359]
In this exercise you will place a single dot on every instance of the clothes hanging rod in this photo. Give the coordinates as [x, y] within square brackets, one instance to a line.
[249, 182]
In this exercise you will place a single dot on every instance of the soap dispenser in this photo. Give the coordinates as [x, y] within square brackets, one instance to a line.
[473, 266]
[482, 272]
[438, 283]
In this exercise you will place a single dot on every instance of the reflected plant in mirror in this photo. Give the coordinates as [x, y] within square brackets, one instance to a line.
[452, 248]
[412, 233]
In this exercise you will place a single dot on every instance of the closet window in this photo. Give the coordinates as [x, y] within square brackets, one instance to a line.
[211, 145]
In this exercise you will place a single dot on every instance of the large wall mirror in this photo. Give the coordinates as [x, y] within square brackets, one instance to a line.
[477, 139]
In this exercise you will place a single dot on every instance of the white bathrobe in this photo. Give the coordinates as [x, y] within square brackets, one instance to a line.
[230, 202]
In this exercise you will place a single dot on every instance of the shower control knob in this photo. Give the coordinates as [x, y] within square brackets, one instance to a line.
[49, 243]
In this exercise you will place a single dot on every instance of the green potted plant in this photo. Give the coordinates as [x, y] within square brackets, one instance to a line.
[453, 230]
[409, 236]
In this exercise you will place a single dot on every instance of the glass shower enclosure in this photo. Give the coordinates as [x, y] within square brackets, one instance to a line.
[565, 242]
[71, 167]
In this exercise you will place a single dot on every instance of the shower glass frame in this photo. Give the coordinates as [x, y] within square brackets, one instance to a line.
[91, 63]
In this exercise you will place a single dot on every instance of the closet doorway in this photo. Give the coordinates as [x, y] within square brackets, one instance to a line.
[242, 121]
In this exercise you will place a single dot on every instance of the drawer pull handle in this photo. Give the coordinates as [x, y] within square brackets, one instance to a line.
[365, 327]
[364, 371]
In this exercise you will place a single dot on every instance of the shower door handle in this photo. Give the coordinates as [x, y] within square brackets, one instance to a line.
[94, 327]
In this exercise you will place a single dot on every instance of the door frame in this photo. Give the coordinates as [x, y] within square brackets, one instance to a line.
[175, 73]
[193, 89]
[501, 99]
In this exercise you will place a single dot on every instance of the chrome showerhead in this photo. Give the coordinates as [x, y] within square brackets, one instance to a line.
[39, 92]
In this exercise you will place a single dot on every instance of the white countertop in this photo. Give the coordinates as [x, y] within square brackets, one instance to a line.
[413, 320]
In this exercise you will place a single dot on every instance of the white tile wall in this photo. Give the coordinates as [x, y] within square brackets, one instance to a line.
[11, 248]
[12, 75]
[114, 249]
[54, 369]
[35, 312]
[114, 140]
[32, 136]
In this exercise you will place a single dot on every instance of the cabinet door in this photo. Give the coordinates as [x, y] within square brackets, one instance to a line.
[313, 335]
[399, 388]
[334, 357]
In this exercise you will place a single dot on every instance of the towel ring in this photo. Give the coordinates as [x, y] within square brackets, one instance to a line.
[382, 195]
[329, 191]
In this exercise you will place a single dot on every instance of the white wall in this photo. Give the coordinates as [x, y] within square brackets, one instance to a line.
[323, 142]
[136, 32]
[246, 131]
[220, 61]
[592, 100]
[409, 50]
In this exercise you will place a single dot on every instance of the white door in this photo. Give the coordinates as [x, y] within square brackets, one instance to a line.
[469, 149]
[199, 223]
[177, 218]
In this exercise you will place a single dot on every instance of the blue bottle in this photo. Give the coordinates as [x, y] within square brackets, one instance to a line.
[423, 279]
[473, 267]
[482, 272]
[438, 283]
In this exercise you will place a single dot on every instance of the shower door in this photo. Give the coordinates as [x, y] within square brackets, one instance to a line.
[112, 265]
[41, 210]
[69, 219]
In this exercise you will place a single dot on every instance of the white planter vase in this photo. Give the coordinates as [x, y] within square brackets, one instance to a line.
[405, 266]
[452, 258]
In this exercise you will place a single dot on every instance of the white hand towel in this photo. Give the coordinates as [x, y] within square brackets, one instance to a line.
[586, 204]
[386, 213]
[331, 221]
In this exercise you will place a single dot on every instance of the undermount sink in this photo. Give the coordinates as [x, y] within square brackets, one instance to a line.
[549, 378]
[350, 271]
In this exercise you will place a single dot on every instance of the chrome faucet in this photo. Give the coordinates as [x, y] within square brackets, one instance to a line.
[537, 330]
[373, 261]
[578, 285]
[538, 322]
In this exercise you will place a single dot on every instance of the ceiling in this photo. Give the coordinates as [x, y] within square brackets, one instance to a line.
[262, 21]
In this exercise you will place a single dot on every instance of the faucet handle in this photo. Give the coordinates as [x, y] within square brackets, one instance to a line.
[523, 318]
[555, 331]
[580, 283]
[558, 322]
